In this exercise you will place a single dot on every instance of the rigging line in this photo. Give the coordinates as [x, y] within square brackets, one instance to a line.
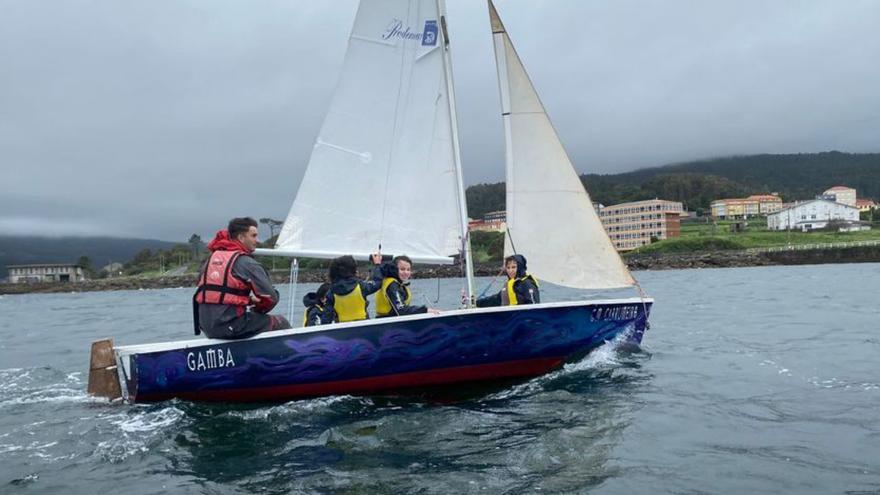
[510, 237]
[491, 283]
[642, 296]
[462, 270]
[294, 274]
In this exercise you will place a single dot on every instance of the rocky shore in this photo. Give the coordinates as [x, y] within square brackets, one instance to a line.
[718, 259]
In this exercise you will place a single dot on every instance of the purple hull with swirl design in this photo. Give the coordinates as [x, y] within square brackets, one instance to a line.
[380, 356]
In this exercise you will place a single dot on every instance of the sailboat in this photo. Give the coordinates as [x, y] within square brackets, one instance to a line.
[388, 155]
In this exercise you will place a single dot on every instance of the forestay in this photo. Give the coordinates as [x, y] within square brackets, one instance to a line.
[550, 216]
[382, 170]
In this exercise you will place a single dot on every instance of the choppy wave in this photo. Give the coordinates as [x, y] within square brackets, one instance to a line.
[19, 386]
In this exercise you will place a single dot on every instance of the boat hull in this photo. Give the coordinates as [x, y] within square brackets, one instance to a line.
[380, 356]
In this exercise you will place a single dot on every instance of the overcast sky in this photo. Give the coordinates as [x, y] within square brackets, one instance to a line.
[164, 118]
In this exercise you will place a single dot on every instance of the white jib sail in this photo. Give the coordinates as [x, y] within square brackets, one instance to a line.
[382, 170]
[550, 217]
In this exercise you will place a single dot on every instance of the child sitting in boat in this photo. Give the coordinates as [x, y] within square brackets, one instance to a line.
[394, 297]
[318, 312]
[348, 294]
[521, 288]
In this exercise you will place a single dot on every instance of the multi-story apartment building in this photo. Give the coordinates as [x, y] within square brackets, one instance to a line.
[493, 221]
[753, 206]
[633, 225]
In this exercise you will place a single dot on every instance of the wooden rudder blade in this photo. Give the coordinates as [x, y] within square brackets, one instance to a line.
[103, 378]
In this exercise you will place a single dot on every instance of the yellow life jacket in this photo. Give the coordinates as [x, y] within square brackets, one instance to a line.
[511, 294]
[383, 305]
[351, 306]
[306, 315]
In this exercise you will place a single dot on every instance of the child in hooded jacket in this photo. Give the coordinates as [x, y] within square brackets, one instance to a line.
[318, 312]
[521, 287]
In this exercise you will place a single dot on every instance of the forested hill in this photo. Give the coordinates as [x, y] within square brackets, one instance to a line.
[24, 250]
[799, 176]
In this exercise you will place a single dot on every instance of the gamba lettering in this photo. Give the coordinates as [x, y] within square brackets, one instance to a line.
[210, 359]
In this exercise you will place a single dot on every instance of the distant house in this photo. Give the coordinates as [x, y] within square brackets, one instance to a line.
[812, 215]
[59, 272]
[753, 206]
[493, 221]
[633, 225]
[865, 204]
[841, 194]
[113, 269]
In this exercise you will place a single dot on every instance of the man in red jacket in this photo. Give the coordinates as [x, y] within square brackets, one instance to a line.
[235, 295]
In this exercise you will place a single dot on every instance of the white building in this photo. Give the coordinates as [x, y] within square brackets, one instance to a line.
[60, 272]
[811, 215]
[842, 194]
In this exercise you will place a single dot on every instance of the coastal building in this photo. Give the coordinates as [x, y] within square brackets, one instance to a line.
[864, 204]
[493, 221]
[753, 206]
[633, 225]
[812, 215]
[841, 194]
[59, 272]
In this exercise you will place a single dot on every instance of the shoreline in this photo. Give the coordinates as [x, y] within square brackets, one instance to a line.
[667, 261]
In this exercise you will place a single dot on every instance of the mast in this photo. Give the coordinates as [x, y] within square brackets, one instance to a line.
[450, 91]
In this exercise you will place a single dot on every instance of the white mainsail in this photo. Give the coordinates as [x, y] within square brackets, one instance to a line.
[383, 169]
[550, 217]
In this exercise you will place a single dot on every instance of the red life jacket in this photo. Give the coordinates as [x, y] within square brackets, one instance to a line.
[218, 285]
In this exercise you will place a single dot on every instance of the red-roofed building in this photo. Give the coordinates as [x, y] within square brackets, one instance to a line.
[753, 206]
[865, 204]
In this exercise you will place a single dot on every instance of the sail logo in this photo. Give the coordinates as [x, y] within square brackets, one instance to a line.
[397, 30]
[210, 359]
[429, 35]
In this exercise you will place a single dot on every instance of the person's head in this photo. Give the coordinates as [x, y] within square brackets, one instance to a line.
[510, 266]
[322, 291]
[244, 230]
[515, 266]
[342, 267]
[404, 267]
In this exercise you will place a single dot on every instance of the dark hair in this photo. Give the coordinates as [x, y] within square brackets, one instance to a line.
[322, 290]
[402, 257]
[511, 258]
[342, 267]
[240, 226]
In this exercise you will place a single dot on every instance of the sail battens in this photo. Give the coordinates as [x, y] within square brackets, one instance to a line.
[550, 217]
[378, 41]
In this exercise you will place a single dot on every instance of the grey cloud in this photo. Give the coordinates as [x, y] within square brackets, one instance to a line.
[162, 119]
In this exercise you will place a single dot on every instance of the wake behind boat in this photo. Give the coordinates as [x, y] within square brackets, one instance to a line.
[392, 120]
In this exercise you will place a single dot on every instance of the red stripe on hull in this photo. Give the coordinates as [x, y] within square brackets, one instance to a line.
[362, 386]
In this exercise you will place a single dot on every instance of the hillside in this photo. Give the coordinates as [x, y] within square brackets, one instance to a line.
[101, 250]
[796, 176]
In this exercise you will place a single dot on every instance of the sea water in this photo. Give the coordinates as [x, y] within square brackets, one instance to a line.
[750, 380]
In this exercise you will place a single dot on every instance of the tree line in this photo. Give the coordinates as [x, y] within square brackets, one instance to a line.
[697, 184]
